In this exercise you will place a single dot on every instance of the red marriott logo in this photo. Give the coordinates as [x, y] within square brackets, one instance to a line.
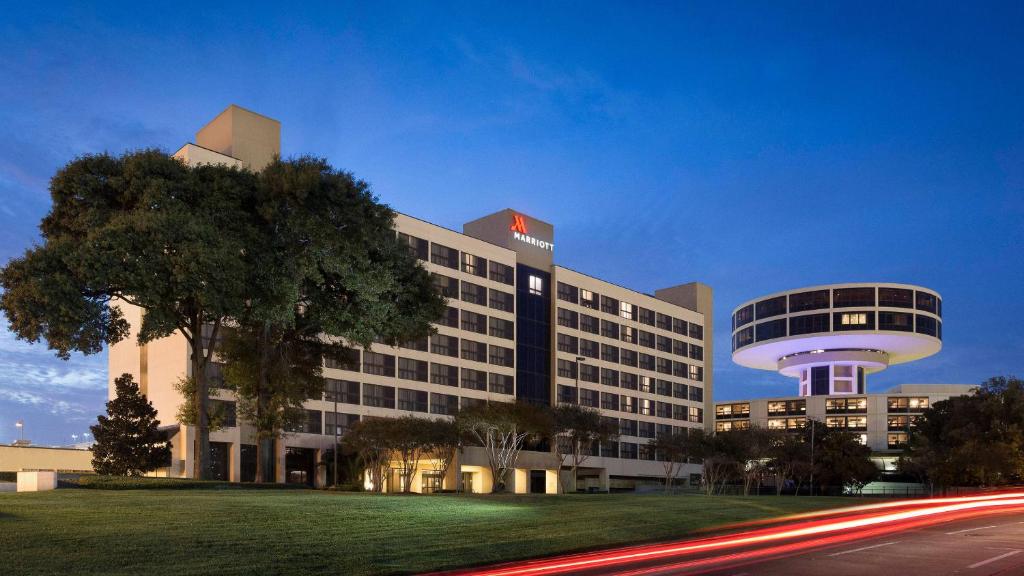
[518, 224]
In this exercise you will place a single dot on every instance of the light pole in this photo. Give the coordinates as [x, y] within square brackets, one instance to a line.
[336, 392]
[579, 360]
[20, 424]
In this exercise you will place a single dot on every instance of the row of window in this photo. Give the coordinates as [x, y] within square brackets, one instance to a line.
[473, 293]
[645, 384]
[382, 364]
[629, 404]
[832, 406]
[628, 334]
[450, 258]
[838, 298]
[840, 321]
[591, 373]
[625, 310]
[381, 396]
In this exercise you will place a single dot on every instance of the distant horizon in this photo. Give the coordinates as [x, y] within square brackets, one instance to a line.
[754, 149]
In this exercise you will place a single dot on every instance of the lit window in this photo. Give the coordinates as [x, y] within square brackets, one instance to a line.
[536, 285]
[855, 319]
[626, 310]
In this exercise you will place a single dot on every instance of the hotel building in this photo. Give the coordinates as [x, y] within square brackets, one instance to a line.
[830, 338]
[517, 327]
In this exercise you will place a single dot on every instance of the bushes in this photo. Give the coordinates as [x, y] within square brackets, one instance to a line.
[98, 482]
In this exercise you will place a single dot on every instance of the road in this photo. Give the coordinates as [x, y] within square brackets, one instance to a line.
[977, 535]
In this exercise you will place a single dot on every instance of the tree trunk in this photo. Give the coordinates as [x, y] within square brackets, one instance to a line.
[265, 461]
[201, 461]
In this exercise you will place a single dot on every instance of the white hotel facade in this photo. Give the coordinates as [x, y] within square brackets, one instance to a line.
[517, 328]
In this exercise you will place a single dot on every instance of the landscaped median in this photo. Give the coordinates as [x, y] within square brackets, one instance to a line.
[246, 531]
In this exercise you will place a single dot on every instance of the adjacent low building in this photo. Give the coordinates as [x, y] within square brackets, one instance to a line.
[517, 328]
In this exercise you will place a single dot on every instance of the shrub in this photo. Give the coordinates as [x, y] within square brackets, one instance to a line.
[99, 482]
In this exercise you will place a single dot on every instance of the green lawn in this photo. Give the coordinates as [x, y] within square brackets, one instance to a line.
[300, 532]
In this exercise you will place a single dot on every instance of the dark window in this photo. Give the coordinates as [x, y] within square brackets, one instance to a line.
[451, 317]
[645, 316]
[896, 297]
[378, 396]
[502, 356]
[379, 364]
[696, 331]
[745, 337]
[335, 423]
[465, 403]
[473, 351]
[609, 401]
[627, 357]
[444, 256]
[567, 394]
[343, 359]
[609, 353]
[474, 379]
[808, 324]
[679, 326]
[696, 352]
[899, 321]
[419, 344]
[664, 366]
[771, 329]
[568, 344]
[568, 293]
[589, 398]
[680, 390]
[663, 387]
[609, 329]
[501, 328]
[225, 410]
[474, 265]
[502, 301]
[743, 316]
[501, 384]
[444, 374]
[664, 344]
[448, 287]
[589, 348]
[813, 300]
[853, 320]
[647, 362]
[589, 324]
[312, 421]
[502, 273]
[628, 380]
[627, 427]
[444, 345]
[771, 307]
[819, 380]
[680, 369]
[609, 377]
[409, 369]
[568, 318]
[645, 429]
[590, 373]
[343, 390]
[927, 325]
[412, 400]
[609, 305]
[679, 348]
[417, 246]
[566, 369]
[663, 321]
[474, 293]
[473, 322]
[646, 339]
[850, 297]
[696, 394]
[447, 404]
[927, 302]
[609, 449]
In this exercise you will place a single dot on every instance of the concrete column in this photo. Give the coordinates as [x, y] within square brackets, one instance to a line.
[279, 461]
[604, 484]
[235, 462]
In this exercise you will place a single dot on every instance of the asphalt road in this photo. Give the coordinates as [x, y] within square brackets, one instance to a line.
[983, 546]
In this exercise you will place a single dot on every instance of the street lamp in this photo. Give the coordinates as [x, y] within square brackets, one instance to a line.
[20, 424]
[579, 360]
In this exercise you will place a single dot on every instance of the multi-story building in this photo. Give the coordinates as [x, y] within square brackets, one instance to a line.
[830, 338]
[517, 328]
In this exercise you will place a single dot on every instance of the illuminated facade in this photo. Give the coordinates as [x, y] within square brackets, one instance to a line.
[518, 327]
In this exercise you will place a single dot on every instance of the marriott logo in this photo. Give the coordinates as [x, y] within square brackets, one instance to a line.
[519, 233]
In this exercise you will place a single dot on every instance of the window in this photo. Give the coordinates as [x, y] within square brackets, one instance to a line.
[744, 337]
[927, 325]
[566, 369]
[474, 293]
[813, 300]
[474, 265]
[444, 256]
[501, 356]
[226, 411]
[647, 384]
[927, 302]
[418, 247]
[502, 301]
[419, 344]
[915, 404]
[743, 316]
[646, 339]
[337, 424]
[609, 401]
[849, 297]
[502, 273]
[628, 380]
[568, 318]
[609, 329]
[628, 334]
[645, 316]
[444, 374]
[696, 394]
[500, 383]
[409, 369]
[473, 322]
[629, 404]
[679, 348]
[626, 310]
[664, 387]
[854, 320]
[609, 305]
[568, 344]
[341, 390]
[589, 348]
[609, 353]
[808, 324]
[501, 328]
[474, 379]
[448, 287]
[696, 352]
[664, 366]
[590, 324]
[590, 373]
[312, 422]
[627, 427]
[898, 422]
[896, 440]
[379, 364]
[662, 409]
[696, 414]
[679, 326]
[609, 377]
[646, 406]
[647, 362]
[896, 297]
[771, 329]
[770, 307]
[536, 285]
[567, 395]
[628, 357]
[568, 293]
[697, 373]
[680, 390]
[898, 321]
[474, 351]
[343, 359]
[471, 402]
[664, 344]
[450, 318]
[378, 396]
[447, 404]
[444, 345]
[589, 398]
[663, 321]
[588, 299]
[412, 400]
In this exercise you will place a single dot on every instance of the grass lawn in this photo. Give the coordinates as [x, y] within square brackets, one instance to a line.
[300, 532]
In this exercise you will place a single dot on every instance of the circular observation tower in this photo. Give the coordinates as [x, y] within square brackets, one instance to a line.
[830, 337]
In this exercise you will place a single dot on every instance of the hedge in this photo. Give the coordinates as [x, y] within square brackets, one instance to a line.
[98, 482]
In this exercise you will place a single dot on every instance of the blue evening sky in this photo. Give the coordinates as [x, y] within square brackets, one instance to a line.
[754, 149]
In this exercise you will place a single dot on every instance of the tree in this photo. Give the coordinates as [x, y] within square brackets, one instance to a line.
[573, 430]
[128, 438]
[409, 441]
[443, 442]
[370, 438]
[675, 449]
[722, 455]
[501, 429]
[840, 459]
[789, 460]
[753, 450]
[141, 229]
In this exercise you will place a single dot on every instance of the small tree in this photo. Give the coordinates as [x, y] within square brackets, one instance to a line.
[443, 442]
[128, 439]
[573, 430]
[371, 440]
[674, 449]
[790, 460]
[409, 440]
[501, 429]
